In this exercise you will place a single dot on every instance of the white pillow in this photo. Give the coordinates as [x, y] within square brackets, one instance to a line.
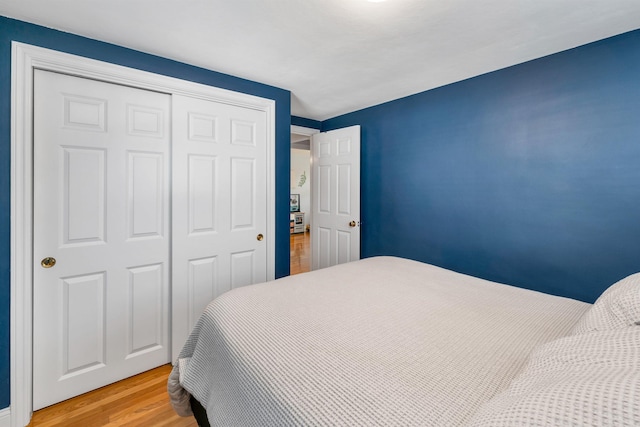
[617, 307]
[592, 379]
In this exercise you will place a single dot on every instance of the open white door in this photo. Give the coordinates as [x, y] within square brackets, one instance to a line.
[335, 199]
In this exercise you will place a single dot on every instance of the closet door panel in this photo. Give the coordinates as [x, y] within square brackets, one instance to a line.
[101, 209]
[219, 205]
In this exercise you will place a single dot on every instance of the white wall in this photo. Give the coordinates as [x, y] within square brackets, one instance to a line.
[301, 163]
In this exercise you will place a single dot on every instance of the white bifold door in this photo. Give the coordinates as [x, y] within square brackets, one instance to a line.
[335, 197]
[146, 207]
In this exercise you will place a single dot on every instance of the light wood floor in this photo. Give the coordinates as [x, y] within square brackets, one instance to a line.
[140, 401]
[300, 256]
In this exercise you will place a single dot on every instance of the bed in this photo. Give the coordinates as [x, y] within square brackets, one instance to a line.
[387, 341]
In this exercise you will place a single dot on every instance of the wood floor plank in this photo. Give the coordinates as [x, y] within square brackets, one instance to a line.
[136, 407]
[97, 400]
[141, 400]
[300, 253]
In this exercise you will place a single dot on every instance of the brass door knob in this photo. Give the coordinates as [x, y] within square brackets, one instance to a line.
[260, 237]
[352, 224]
[48, 262]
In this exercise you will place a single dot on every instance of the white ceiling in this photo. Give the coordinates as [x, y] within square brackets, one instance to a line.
[338, 56]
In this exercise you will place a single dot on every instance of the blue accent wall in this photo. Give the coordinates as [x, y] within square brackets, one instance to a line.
[307, 123]
[13, 30]
[529, 175]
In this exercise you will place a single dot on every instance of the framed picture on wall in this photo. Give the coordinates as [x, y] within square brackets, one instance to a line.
[294, 203]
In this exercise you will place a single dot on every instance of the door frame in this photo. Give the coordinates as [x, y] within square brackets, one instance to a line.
[24, 59]
[301, 130]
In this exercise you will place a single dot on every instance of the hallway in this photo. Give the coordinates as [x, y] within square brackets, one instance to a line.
[300, 255]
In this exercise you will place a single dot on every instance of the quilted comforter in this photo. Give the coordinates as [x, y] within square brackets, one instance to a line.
[380, 341]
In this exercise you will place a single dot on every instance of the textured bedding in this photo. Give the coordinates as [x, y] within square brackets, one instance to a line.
[381, 341]
[589, 379]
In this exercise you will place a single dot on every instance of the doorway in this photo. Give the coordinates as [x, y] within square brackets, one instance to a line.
[300, 201]
[324, 203]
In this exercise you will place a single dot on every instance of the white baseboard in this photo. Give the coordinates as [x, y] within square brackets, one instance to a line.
[5, 417]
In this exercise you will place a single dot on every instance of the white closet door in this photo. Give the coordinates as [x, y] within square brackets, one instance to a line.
[101, 210]
[219, 205]
[335, 200]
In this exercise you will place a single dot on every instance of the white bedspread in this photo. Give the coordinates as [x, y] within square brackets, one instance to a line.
[381, 341]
